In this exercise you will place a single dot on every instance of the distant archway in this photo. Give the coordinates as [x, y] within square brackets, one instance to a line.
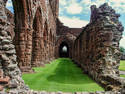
[63, 50]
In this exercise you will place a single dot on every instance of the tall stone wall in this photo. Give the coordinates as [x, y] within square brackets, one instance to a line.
[10, 74]
[96, 49]
[35, 35]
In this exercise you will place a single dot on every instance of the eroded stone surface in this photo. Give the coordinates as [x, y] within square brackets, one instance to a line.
[97, 47]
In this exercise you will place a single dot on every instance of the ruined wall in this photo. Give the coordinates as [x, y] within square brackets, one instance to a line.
[36, 33]
[10, 19]
[10, 74]
[54, 4]
[96, 49]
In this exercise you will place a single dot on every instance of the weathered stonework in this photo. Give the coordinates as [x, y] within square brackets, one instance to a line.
[10, 19]
[10, 74]
[38, 35]
[97, 47]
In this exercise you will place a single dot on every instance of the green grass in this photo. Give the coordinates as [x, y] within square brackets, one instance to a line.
[122, 75]
[60, 75]
[122, 65]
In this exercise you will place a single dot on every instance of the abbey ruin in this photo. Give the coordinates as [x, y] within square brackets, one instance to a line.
[34, 35]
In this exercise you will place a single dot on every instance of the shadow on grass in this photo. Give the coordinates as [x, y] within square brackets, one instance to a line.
[68, 73]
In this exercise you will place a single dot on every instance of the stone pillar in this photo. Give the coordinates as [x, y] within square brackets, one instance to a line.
[23, 42]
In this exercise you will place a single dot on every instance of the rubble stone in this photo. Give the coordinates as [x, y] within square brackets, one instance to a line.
[98, 54]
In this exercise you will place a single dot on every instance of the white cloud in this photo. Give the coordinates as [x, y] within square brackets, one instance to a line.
[74, 9]
[118, 5]
[62, 2]
[71, 6]
[9, 3]
[73, 22]
[122, 41]
[87, 4]
[117, 1]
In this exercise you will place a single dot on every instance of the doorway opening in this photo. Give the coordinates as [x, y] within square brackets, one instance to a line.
[64, 50]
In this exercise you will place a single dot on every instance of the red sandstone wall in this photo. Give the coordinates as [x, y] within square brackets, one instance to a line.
[36, 33]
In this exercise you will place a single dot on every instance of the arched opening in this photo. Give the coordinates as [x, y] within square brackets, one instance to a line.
[63, 50]
[36, 39]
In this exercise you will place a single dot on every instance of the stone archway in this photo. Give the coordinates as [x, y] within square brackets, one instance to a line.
[37, 40]
[68, 41]
[64, 49]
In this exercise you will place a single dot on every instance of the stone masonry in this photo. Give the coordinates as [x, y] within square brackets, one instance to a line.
[38, 35]
[35, 34]
[96, 49]
[10, 74]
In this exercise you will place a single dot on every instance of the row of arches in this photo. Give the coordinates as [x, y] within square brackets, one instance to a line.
[34, 37]
[42, 41]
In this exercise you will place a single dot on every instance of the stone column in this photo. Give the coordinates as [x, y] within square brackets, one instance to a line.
[23, 42]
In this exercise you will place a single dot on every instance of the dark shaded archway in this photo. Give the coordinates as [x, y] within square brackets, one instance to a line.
[63, 50]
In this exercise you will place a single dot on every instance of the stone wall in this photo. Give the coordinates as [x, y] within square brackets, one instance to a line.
[10, 74]
[10, 19]
[35, 35]
[97, 47]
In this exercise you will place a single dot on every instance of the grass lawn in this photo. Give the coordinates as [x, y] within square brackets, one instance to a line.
[122, 65]
[122, 75]
[60, 75]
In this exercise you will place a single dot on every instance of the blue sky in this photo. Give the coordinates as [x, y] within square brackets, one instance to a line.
[76, 13]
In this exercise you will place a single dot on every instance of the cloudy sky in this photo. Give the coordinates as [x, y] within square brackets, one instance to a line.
[76, 13]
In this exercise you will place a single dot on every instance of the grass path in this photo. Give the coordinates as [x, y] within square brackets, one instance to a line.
[60, 75]
[122, 65]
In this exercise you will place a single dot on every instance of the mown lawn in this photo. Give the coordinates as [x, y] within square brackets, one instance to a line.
[60, 75]
[122, 65]
[122, 75]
